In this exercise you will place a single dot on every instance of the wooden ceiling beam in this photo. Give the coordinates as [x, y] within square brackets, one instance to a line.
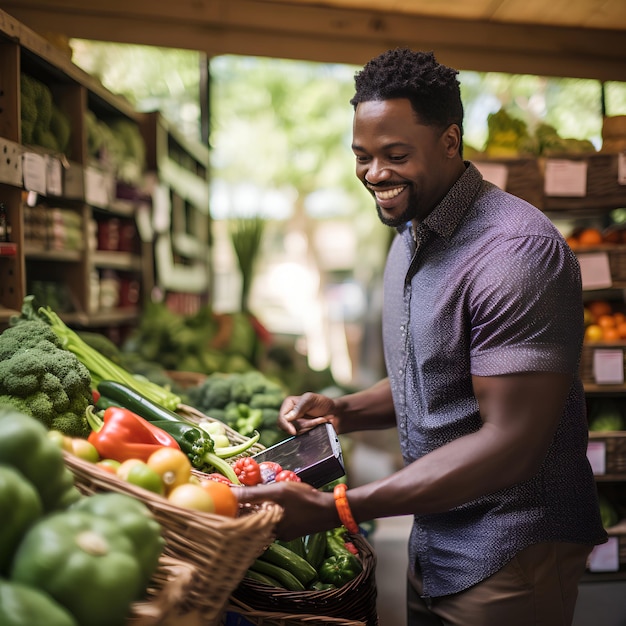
[326, 34]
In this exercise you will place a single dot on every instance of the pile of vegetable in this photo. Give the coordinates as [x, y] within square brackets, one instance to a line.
[324, 560]
[65, 559]
[246, 402]
[43, 123]
[42, 379]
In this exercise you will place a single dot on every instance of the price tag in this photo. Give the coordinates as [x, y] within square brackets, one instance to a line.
[34, 171]
[608, 367]
[595, 270]
[54, 177]
[605, 557]
[566, 178]
[596, 455]
[495, 173]
[98, 188]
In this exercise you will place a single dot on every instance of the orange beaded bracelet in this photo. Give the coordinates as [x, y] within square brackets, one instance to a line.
[343, 508]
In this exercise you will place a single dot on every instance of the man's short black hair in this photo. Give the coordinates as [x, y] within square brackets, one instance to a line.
[432, 88]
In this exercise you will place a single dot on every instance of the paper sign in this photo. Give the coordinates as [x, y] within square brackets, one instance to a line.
[608, 367]
[596, 455]
[595, 270]
[54, 177]
[98, 188]
[34, 172]
[495, 173]
[566, 178]
[605, 557]
[621, 168]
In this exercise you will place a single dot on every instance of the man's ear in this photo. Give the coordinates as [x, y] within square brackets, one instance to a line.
[452, 140]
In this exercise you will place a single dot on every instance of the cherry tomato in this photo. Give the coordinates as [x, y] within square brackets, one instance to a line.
[248, 471]
[109, 465]
[85, 450]
[173, 466]
[269, 471]
[288, 476]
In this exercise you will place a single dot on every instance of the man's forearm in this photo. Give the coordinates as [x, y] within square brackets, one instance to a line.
[370, 409]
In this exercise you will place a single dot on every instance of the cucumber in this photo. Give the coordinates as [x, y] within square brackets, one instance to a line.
[136, 402]
[285, 578]
[262, 578]
[285, 558]
[315, 548]
[295, 545]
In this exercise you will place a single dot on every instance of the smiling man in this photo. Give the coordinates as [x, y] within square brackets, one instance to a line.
[482, 332]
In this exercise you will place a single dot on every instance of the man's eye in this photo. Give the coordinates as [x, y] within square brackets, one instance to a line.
[398, 157]
[362, 159]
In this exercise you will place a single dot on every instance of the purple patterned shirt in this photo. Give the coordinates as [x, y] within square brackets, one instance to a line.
[494, 290]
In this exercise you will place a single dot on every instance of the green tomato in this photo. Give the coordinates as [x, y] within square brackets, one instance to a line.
[142, 475]
[85, 450]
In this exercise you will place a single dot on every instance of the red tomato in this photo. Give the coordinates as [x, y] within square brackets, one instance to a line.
[248, 471]
[288, 476]
[218, 478]
[269, 471]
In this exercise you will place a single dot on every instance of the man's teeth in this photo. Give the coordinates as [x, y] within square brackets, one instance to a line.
[388, 194]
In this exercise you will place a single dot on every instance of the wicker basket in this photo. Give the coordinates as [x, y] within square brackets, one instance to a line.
[166, 597]
[240, 614]
[220, 548]
[603, 189]
[587, 356]
[354, 601]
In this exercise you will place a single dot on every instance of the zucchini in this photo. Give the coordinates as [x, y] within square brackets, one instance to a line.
[285, 558]
[315, 548]
[136, 402]
[285, 578]
[263, 579]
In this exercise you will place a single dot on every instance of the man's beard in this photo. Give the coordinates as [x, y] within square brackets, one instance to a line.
[409, 213]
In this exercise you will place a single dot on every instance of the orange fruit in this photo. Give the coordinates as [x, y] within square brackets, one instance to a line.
[610, 335]
[599, 307]
[621, 330]
[224, 499]
[606, 321]
[594, 333]
[619, 318]
[590, 237]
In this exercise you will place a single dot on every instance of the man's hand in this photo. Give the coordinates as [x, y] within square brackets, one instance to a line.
[299, 414]
[306, 509]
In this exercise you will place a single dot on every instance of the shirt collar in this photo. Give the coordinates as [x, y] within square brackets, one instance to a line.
[445, 218]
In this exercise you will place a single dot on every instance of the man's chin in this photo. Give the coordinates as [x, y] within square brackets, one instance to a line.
[392, 221]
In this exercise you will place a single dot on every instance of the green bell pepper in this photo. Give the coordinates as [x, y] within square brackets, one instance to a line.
[84, 563]
[25, 445]
[338, 570]
[21, 605]
[20, 507]
[132, 518]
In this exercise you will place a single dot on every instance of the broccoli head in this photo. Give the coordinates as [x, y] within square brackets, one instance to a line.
[42, 379]
[213, 393]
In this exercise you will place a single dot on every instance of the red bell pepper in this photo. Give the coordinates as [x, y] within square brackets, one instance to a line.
[121, 435]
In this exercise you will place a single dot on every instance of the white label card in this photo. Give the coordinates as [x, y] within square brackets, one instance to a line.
[596, 455]
[495, 173]
[34, 172]
[566, 178]
[605, 557]
[595, 270]
[621, 168]
[54, 182]
[608, 367]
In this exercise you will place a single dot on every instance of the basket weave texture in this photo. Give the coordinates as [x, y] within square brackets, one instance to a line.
[353, 602]
[165, 597]
[219, 548]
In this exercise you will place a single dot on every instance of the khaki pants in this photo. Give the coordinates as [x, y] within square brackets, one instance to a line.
[538, 587]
